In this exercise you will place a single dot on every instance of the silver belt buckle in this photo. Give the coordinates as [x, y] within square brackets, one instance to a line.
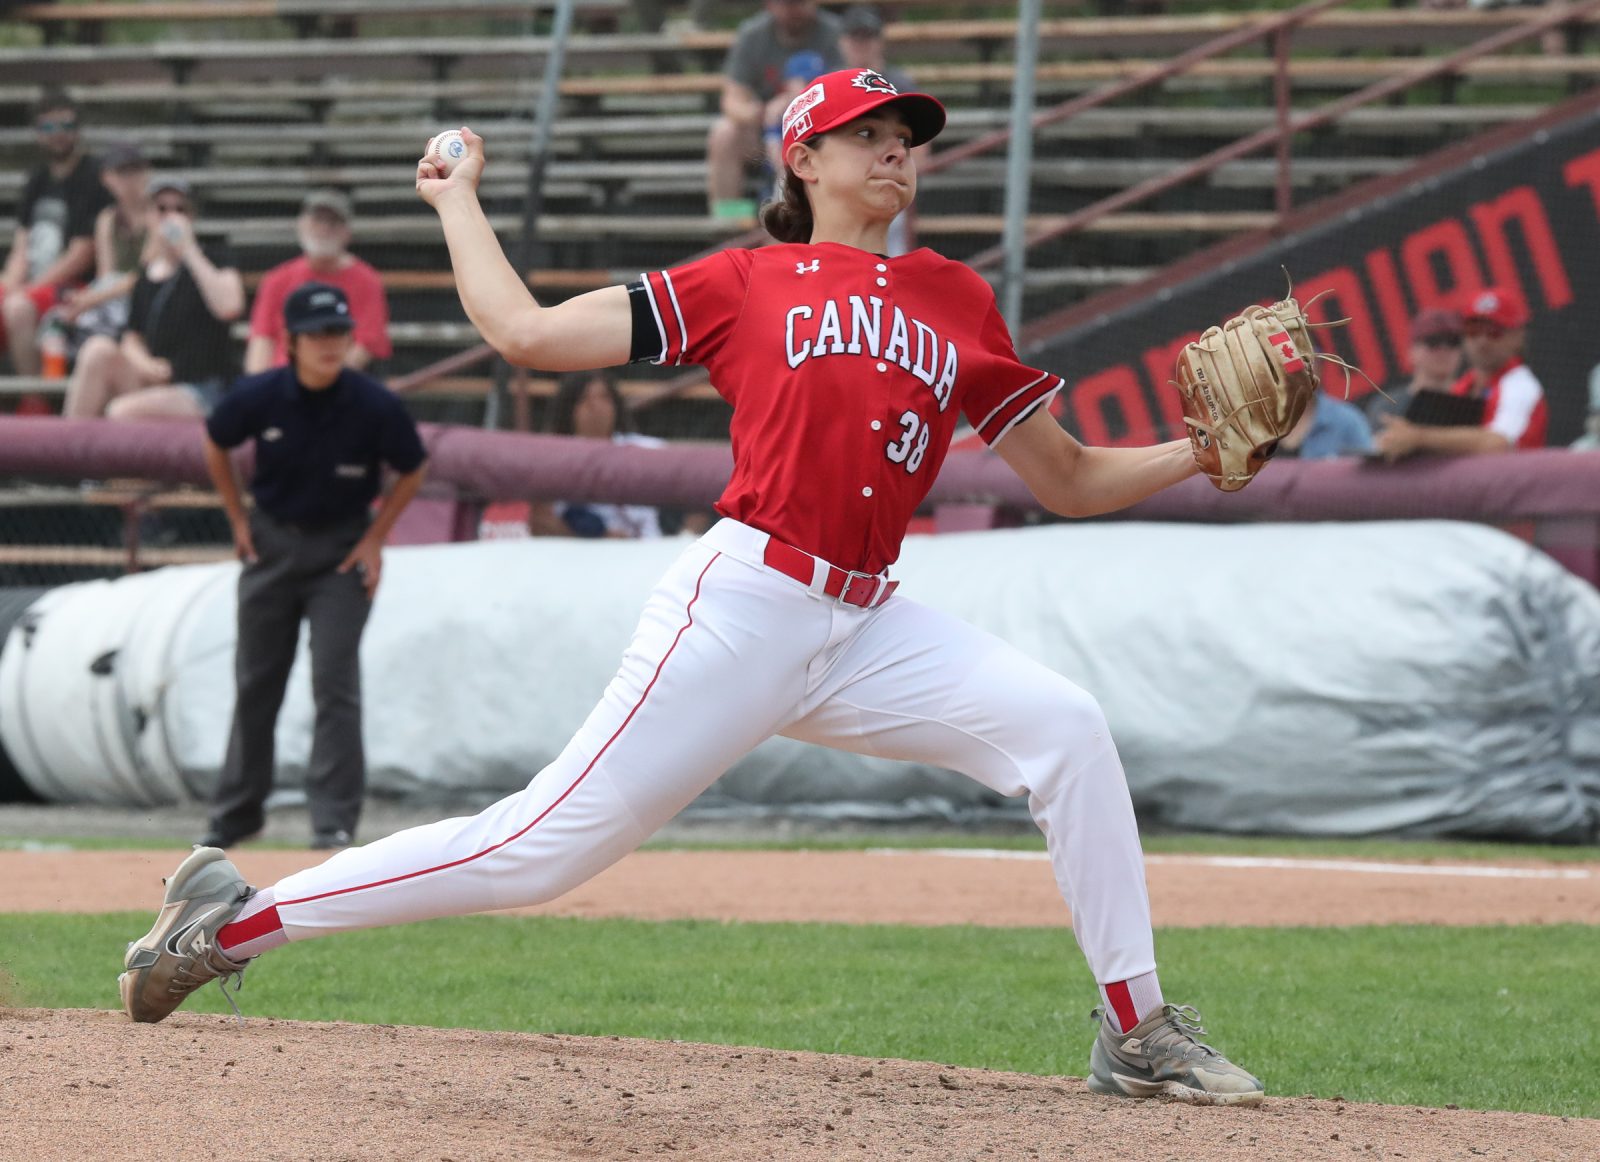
[850, 579]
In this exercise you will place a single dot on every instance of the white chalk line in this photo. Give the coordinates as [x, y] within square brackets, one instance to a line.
[1270, 863]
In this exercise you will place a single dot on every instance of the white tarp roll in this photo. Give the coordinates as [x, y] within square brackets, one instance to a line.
[1332, 679]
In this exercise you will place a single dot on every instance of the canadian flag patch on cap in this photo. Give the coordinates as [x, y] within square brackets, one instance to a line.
[801, 105]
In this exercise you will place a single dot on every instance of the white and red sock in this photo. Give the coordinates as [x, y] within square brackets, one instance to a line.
[1130, 1001]
[256, 929]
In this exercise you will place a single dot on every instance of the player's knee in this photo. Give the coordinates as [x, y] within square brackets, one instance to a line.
[1070, 714]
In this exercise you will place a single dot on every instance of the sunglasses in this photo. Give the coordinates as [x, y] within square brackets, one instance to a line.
[1440, 342]
[1484, 331]
[68, 126]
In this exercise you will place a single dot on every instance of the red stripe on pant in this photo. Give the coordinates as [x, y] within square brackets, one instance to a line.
[263, 923]
[689, 612]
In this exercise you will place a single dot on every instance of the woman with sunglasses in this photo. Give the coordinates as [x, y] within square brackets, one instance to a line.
[176, 356]
[847, 372]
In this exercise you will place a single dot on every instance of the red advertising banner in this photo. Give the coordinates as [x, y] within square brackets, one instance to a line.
[1519, 209]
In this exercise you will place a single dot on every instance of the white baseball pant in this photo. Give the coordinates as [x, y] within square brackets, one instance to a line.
[727, 653]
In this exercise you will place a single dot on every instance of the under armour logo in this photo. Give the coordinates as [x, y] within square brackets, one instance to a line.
[802, 268]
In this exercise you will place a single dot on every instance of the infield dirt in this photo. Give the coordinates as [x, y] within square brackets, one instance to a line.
[88, 1084]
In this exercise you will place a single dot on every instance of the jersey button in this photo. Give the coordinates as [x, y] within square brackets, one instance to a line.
[866, 492]
[882, 268]
[883, 282]
[877, 425]
[883, 367]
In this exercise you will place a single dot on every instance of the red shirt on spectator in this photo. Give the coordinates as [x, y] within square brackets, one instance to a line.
[1514, 404]
[362, 285]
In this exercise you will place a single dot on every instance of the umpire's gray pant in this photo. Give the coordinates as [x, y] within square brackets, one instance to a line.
[294, 578]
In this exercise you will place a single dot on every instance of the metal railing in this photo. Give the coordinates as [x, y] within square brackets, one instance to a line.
[1281, 134]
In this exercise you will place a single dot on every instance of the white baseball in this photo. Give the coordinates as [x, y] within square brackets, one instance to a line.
[445, 150]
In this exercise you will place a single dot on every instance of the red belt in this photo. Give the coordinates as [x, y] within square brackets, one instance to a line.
[863, 589]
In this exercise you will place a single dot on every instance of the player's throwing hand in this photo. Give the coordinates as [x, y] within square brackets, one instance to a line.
[432, 184]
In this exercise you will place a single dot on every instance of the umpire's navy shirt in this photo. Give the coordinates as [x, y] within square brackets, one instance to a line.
[318, 453]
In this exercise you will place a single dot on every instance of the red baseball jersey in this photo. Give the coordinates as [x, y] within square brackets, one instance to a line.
[847, 373]
[1514, 404]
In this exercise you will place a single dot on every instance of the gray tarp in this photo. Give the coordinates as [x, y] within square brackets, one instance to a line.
[1329, 679]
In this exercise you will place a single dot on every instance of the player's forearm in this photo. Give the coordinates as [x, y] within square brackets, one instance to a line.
[1107, 479]
[495, 299]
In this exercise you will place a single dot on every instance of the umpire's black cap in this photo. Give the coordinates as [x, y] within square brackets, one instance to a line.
[315, 307]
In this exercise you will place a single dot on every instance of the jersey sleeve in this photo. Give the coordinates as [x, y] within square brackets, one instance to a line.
[695, 307]
[1005, 391]
[400, 443]
[1519, 394]
[231, 422]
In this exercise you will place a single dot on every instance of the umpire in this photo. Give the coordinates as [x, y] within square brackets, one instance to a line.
[322, 433]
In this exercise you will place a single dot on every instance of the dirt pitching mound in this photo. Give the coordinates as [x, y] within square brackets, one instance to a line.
[88, 1084]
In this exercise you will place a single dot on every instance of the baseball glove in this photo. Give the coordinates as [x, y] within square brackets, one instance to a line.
[1245, 384]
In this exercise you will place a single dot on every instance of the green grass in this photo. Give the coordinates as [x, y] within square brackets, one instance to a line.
[1437, 850]
[1488, 1018]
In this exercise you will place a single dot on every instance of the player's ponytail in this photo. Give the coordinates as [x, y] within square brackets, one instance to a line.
[789, 218]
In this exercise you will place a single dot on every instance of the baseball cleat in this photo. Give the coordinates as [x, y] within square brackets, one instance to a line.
[1163, 1056]
[179, 954]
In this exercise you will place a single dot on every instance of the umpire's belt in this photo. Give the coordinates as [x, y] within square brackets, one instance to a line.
[843, 585]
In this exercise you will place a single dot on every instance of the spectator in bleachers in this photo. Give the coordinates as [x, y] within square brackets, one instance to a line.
[323, 229]
[121, 247]
[52, 247]
[862, 46]
[752, 92]
[1494, 329]
[176, 356]
[1435, 356]
[1330, 427]
[590, 404]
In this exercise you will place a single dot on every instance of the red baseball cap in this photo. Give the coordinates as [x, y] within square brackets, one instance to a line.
[834, 98]
[1497, 305]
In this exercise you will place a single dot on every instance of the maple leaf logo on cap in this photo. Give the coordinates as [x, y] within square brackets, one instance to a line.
[874, 82]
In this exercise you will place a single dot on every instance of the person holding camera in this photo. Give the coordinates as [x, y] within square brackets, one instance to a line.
[176, 356]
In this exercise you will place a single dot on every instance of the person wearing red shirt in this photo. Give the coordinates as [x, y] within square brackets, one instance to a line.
[1494, 328]
[847, 371]
[323, 229]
